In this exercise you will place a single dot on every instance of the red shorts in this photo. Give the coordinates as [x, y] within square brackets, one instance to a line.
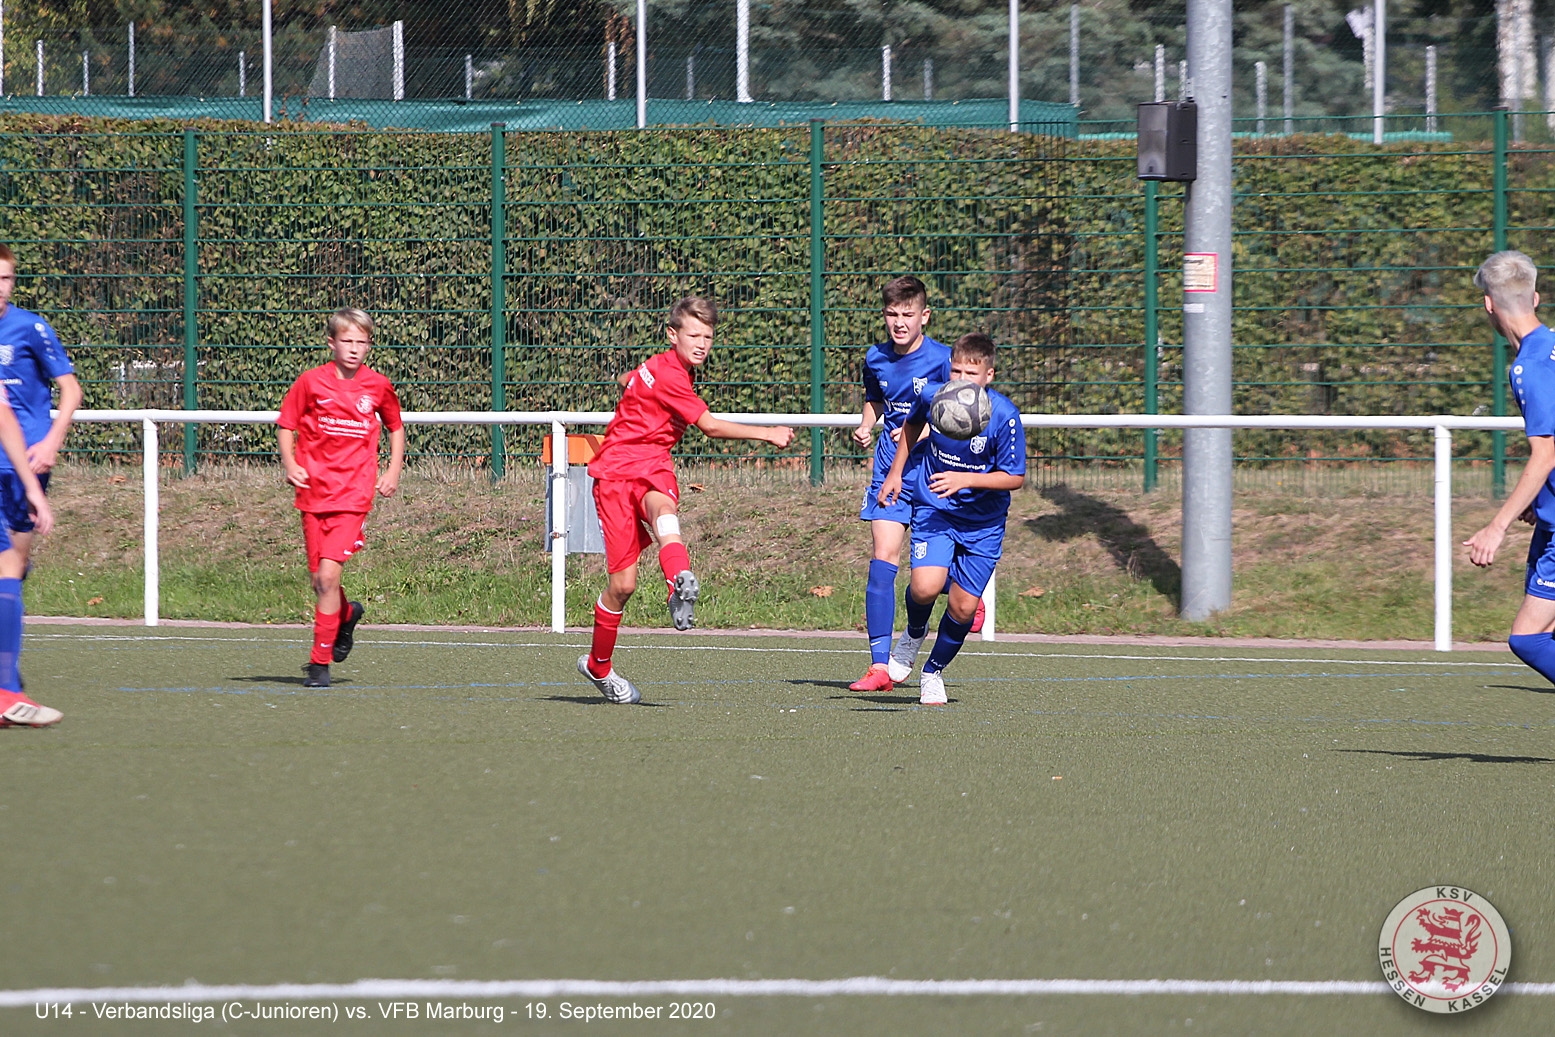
[621, 516]
[336, 535]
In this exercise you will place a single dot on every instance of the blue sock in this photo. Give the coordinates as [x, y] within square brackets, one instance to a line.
[917, 616]
[10, 633]
[1537, 650]
[947, 643]
[880, 609]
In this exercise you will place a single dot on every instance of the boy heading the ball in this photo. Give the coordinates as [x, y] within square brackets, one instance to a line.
[330, 425]
[635, 490]
[896, 373]
[961, 498]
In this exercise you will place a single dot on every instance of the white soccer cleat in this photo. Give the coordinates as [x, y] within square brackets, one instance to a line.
[903, 656]
[612, 685]
[931, 689]
[30, 714]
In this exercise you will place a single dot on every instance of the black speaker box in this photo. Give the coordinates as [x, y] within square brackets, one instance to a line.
[1168, 140]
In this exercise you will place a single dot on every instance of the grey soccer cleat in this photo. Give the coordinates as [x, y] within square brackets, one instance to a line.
[612, 685]
[683, 599]
[904, 655]
[30, 714]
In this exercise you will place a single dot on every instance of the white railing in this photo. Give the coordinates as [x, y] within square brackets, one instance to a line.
[1443, 426]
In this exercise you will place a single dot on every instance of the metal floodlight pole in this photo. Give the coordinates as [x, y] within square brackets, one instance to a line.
[1379, 79]
[1074, 55]
[333, 35]
[132, 60]
[1014, 66]
[269, 93]
[399, 61]
[742, 51]
[1206, 490]
[642, 64]
[1290, 70]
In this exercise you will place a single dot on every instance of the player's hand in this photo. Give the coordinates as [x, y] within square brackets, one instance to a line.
[864, 435]
[889, 490]
[896, 434]
[42, 456]
[945, 483]
[1528, 516]
[780, 436]
[297, 475]
[388, 484]
[1484, 545]
[42, 514]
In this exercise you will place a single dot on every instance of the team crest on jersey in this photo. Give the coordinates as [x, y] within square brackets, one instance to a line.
[918, 385]
[979, 444]
[364, 404]
[7, 354]
[920, 550]
[1445, 949]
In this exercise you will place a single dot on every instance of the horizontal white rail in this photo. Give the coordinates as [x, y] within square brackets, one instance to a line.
[1442, 425]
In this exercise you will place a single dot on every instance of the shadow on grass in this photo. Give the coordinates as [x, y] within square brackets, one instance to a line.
[1431, 757]
[841, 685]
[1128, 542]
[298, 679]
[1546, 689]
[598, 700]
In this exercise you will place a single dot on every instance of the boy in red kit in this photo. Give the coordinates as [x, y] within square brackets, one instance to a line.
[330, 424]
[635, 490]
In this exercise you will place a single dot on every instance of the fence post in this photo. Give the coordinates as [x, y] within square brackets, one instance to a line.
[499, 266]
[1443, 538]
[150, 553]
[1152, 331]
[191, 295]
[559, 520]
[817, 299]
[1498, 377]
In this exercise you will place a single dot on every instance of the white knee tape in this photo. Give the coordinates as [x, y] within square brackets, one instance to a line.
[667, 525]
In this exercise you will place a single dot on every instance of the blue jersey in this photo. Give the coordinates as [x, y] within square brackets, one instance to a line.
[893, 382]
[1001, 448]
[1532, 376]
[30, 359]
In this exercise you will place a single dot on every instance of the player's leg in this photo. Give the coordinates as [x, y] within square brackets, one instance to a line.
[1531, 639]
[978, 616]
[345, 539]
[625, 539]
[931, 553]
[16, 560]
[661, 512]
[972, 566]
[16, 709]
[880, 602]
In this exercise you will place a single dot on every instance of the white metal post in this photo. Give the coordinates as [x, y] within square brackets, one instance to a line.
[1289, 84]
[132, 60]
[2, 48]
[742, 51]
[990, 608]
[1184, 88]
[558, 527]
[399, 61]
[242, 73]
[1014, 70]
[1160, 72]
[1443, 539]
[1074, 54]
[40, 68]
[331, 48]
[610, 71]
[1430, 89]
[691, 76]
[269, 84]
[1379, 79]
[642, 64]
[928, 78]
[885, 72]
[469, 77]
[1261, 90]
[150, 494]
[86, 73]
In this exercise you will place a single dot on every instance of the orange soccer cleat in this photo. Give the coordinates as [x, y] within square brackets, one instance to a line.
[978, 617]
[877, 679]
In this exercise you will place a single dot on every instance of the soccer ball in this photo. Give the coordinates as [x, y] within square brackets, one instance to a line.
[960, 410]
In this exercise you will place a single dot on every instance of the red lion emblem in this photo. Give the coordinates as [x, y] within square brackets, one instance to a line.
[1452, 939]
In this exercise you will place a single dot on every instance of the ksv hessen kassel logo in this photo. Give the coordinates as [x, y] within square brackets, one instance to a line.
[364, 404]
[1445, 949]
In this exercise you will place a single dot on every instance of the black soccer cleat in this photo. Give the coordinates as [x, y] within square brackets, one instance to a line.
[345, 636]
[318, 676]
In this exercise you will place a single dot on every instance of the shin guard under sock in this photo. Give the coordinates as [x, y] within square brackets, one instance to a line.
[674, 560]
[880, 609]
[10, 633]
[948, 642]
[325, 626]
[607, 625]
[917, 615]
[1537, 650]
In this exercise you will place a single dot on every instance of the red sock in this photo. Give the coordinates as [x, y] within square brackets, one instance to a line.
[345, 606]
[607, 625]
[674, 560]
[325, 626]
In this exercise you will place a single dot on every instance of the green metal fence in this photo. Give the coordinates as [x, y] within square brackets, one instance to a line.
[527, 270]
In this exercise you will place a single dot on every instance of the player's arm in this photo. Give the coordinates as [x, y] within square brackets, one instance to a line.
[864, 435]
[891, 487]
[718, 428]
[286, 441]
[1541, 461]
[15, 446]
[945, 483]
[389, 481]
[42, 455]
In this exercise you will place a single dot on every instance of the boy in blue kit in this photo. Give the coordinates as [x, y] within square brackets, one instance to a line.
[895, 374]
[961, 497]
[1508, 280]
[30, 359]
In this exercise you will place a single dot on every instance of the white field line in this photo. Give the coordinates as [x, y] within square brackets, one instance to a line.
[971, 649]
[865, 986]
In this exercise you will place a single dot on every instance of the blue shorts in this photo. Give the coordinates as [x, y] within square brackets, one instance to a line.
[901, 511]
[1541, 565]
[13, 502]
[969, 554]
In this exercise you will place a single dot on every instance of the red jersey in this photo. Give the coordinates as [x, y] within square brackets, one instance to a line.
[338, 422]
[657, 406]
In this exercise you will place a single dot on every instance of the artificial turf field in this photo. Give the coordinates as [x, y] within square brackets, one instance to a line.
[463, 807]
